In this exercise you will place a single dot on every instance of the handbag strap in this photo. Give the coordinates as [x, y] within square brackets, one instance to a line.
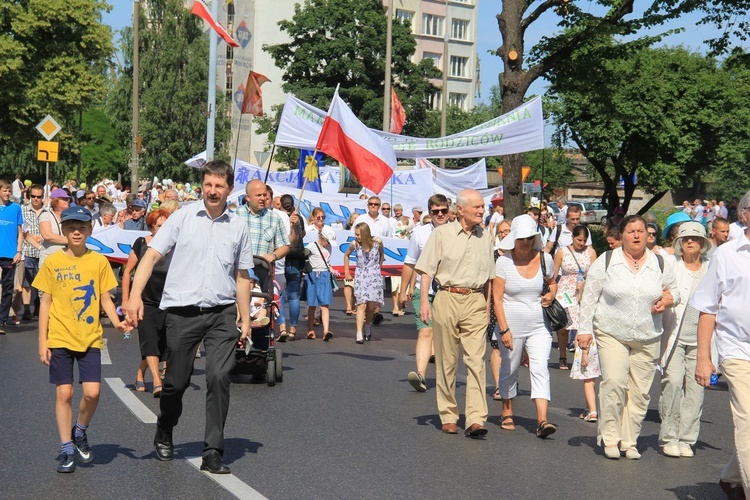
[575, 259]
[543, 265]
[322, 257]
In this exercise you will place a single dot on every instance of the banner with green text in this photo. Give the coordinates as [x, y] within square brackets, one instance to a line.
[517, 131]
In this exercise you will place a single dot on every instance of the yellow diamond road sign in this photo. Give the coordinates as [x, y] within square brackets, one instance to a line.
[48, 127]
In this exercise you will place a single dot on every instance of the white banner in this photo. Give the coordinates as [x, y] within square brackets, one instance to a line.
[517, 131]
[115, 244]
[472, 177]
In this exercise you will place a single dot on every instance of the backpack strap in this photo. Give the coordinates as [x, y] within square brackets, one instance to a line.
[558, 231]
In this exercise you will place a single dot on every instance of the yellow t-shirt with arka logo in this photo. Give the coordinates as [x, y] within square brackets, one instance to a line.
[76, 285]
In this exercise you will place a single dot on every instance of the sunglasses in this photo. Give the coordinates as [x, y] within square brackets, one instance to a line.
[652, 234]
[374, 204]
[320, 217]
[386, 208]
[36, 197]
[439, 211]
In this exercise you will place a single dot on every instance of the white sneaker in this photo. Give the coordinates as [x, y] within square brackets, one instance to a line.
[686, 450]
[672, 450]
[612, 452]
[632, 454]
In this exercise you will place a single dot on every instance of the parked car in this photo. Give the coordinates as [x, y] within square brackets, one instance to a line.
[600, 211]
[588, 216]
[553, 208]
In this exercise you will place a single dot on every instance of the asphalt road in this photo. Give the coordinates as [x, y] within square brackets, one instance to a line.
[344, 424]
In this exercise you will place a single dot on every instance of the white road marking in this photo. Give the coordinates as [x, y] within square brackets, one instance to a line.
[106, 360]
[131, 401]
[229, 482]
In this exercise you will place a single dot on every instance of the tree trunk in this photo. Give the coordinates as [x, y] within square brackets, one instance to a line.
[653, 201]
[514, 82]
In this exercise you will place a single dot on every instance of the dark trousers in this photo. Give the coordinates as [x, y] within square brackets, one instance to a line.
[186, 328]
[9, 273]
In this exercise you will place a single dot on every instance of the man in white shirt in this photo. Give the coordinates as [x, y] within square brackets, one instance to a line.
[737, 229]
[562, 235]
[438, 207]
[201, 309]
[562, 203]
[723, 298]
[416, 213]
[722, 211]
[17, 190]
[380, 226]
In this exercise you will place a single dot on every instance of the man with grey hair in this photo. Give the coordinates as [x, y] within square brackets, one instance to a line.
[562, 203]
[738, 228]
[459, 309]
[170, 194]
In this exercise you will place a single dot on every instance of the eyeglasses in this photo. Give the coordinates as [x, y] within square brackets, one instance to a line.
[651, 235]
[90, 198]
[320, 217]
[386, 208]
[439, 211]
[374, 204]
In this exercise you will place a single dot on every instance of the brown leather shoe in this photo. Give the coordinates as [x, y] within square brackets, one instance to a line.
[476, 431]
[450, 429]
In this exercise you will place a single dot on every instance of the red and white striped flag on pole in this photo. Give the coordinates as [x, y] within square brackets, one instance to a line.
[343, 137]
[252, 102]
[200, 10]
[398, 114]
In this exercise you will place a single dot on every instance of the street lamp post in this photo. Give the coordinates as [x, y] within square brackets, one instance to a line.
[134, 133]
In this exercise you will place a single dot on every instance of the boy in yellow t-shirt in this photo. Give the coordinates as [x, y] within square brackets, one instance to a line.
[74, 281]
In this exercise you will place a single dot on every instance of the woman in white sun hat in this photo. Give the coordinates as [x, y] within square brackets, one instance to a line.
[518, 301]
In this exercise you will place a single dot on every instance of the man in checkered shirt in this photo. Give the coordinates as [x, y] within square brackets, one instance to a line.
[268, 237]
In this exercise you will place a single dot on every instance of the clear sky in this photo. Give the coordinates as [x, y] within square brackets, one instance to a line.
[488, 36]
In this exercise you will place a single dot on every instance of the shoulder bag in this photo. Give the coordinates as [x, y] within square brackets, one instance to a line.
[334, 282]
[555, 317]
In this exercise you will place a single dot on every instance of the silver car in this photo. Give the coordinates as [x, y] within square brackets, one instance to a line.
[588, 215]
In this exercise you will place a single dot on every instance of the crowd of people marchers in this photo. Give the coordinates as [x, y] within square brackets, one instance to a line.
[666, 300]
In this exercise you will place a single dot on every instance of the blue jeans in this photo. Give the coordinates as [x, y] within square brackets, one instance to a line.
[291, 294]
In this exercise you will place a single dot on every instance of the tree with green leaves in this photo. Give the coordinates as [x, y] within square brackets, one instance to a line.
[647, 115]
[173, 80]
[53, 56]
[342, 42]
[581, 25]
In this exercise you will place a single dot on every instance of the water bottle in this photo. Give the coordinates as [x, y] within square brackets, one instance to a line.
[714, 378]
[580, 277]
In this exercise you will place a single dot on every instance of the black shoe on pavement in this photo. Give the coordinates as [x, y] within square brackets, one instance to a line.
[214, 464]
[81, 445]
[67, 462]
[163, 444]
[2, 328]
[377, 318]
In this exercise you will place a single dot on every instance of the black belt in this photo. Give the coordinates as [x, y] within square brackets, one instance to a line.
[193, 310]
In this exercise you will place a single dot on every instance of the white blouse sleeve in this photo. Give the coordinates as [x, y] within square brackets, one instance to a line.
[595, 279]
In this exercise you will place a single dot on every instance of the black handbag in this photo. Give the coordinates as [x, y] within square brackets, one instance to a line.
[555, 316]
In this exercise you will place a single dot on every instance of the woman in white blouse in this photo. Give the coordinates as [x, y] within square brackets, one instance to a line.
[518, 301]
[681, 401]
[627, 290]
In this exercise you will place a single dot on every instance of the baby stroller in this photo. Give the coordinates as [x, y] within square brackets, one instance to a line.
[262, 360]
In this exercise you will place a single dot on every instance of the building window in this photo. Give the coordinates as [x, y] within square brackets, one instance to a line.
[458, 100]
[230, 16]
[405, 16]
[458, 66]
[230, 52]
[435, 58]
[433, 25]
[433, 100]
[230, 78]
[460, 29]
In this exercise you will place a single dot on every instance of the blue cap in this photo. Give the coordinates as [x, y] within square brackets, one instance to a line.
[138, 203]
[76, 213]
[675, 219]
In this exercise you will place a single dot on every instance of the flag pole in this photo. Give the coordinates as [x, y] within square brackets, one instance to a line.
[270, 159]
[237, 142]
[304, 184]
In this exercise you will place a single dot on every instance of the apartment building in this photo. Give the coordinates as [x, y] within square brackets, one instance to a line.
[254, 23]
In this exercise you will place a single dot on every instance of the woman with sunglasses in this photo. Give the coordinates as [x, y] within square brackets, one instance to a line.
[49, 224]
[681, 401]
[518, 300]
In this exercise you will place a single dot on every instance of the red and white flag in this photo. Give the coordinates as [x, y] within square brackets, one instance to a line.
[343, 137]
[252, 102]
[200, 10]
[398, 114]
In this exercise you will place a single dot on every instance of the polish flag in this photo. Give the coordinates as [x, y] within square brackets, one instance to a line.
[252, 102]
[398, 114]
[343, 137]
[200, 10]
